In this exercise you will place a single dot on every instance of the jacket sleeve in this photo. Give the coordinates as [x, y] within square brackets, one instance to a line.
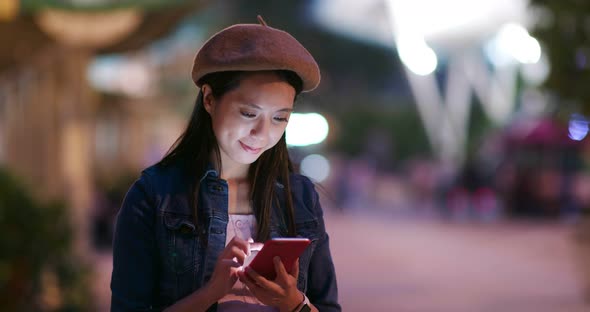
[134, 276]
[322, 289]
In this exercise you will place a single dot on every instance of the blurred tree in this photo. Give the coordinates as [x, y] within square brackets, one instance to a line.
[38, 270]
[564, 29]
[397, 130]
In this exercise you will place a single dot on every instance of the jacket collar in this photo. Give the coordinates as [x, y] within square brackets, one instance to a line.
[209, 171]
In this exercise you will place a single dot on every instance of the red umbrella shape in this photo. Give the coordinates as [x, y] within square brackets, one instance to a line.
[545, 132]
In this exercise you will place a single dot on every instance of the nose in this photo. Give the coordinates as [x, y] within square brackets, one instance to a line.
[260, 129]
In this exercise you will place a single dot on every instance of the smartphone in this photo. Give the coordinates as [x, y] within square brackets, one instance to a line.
[288, 249]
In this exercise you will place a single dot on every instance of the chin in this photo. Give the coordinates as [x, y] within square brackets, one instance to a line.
[247, 159]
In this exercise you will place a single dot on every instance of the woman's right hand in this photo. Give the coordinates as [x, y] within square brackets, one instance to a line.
[226, 269]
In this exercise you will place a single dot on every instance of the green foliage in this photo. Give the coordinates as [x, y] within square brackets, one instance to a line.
[37, 268]
[564, 31]
[478, 128]
[399, 131]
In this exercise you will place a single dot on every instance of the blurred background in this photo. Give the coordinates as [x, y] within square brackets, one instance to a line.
[447, 139]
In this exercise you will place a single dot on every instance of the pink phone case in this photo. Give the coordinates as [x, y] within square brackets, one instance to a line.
[288, 249]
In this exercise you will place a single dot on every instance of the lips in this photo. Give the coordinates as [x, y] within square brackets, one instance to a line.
[250, 149]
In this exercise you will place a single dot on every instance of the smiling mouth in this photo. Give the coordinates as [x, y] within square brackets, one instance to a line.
[250, 149]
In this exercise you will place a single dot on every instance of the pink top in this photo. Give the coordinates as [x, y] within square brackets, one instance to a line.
[240, 298]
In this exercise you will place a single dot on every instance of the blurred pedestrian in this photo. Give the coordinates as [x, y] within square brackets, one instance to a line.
[182, 233]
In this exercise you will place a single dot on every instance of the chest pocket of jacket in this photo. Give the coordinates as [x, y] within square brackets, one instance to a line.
[181, 243]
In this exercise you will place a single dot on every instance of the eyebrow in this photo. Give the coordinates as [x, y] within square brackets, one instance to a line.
[260, 108]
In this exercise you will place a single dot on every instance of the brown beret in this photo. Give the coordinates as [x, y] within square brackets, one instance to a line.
[253, 47]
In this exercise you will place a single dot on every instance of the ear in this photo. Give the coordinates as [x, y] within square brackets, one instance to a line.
[208, 99]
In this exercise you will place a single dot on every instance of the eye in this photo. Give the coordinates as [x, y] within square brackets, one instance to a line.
[248, 114]
[282, 119]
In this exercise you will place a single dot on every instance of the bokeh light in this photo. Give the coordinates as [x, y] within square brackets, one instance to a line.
[306, 129]
[316, 167]
[513, 43]
[417, 55]
[578, 127]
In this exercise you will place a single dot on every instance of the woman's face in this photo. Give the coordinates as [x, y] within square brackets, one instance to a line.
[251, 118]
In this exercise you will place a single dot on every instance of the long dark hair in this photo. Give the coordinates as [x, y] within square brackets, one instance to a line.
[194, 148]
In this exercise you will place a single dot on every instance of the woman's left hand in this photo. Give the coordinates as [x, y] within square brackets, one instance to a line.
[282, 292]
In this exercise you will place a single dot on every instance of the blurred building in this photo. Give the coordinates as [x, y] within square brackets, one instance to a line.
[53, 125]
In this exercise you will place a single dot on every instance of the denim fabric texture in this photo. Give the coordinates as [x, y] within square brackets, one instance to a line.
[161, 256]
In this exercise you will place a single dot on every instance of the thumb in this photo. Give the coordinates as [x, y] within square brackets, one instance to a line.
[228, 264]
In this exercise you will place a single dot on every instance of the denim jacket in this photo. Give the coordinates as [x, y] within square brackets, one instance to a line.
[161, 256]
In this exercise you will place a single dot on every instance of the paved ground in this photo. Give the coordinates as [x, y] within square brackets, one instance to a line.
[422, 266]
[428, 266]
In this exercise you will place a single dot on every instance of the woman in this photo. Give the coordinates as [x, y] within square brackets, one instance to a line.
[186, 225]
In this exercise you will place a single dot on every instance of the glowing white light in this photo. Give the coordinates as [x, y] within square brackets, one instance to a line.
[416, 55]
[451, 21]
[121, 75]
[134, 79]
[513, 42]
[535, 74]
[316, 167]
[306, 129]
[578, 127]
[528, 52]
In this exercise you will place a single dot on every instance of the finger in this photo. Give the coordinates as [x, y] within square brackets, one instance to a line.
[260, 280]
[229, 263]
[235, 241]
[230, 267]
[233, 277]
[240, 243]
[258, 290]
[231, 252]
[244, 278]
[248, 281]
[295, 269]
[238, 253]
[279, 267]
